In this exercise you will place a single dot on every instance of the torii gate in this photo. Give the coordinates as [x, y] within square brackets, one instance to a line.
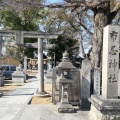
[20, 35]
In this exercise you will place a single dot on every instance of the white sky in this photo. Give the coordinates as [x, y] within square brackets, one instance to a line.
[54, 1]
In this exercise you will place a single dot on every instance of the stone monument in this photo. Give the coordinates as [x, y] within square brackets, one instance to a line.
[19, 76]
[119, 83]
[96, 81]
[65, 82]
[107, 105]
[85, 84]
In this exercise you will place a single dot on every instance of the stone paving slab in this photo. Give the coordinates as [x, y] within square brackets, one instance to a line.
[13, 103]
[21, 95]
[23, 91]
[49, 112]
[15, 100]
[9, 113]
[14, 106]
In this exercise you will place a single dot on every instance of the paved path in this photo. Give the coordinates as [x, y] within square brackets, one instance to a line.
[14, 106]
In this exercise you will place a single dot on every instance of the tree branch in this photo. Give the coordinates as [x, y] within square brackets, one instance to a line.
[89, 5]
[82, 48]
[81, 23]
[84, 26]
[115, 11]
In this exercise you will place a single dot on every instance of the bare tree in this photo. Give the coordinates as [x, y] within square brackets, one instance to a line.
[102, 17]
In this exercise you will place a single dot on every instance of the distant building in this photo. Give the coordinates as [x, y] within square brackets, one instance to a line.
[33, 63]
[9, 60]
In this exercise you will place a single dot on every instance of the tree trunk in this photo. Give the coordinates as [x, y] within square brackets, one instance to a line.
[101, 19]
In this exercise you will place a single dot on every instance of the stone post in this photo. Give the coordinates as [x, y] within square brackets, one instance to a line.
[54, 85]
[25, 64]
[107, 105]
[119, 83]
[96, 81]
[85, 84]
[40, 91]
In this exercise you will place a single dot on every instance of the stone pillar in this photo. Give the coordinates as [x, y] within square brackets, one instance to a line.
[110, 62]
[119, 83]
[85, 84]
[97, 80]
[40, 91]
[107, 105]
[25, 64]
[54, 85]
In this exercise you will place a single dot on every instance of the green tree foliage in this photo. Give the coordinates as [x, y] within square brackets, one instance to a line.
[26, 19]
[29, 18]
[62, 43]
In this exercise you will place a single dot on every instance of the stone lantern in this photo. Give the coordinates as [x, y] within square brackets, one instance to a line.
[64, 84]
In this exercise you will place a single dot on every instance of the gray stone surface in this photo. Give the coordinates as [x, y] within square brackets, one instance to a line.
[85, 84]
[104, 109]
[110, 61]
[54, 86]
[40, 66]
[14, 106]
[18, 77]
[9, 113]
[19, 35]
[65, 84]
[64, 106]
[96, 81]
[48, 112]
[25, 64]
[48, 76]
[107, 106]
[74, 94]
[119, 83]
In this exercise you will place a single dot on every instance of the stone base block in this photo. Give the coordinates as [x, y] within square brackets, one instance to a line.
[18, 77]
[42, 94]
[1, 81]
[65, 108]
[104, 109]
